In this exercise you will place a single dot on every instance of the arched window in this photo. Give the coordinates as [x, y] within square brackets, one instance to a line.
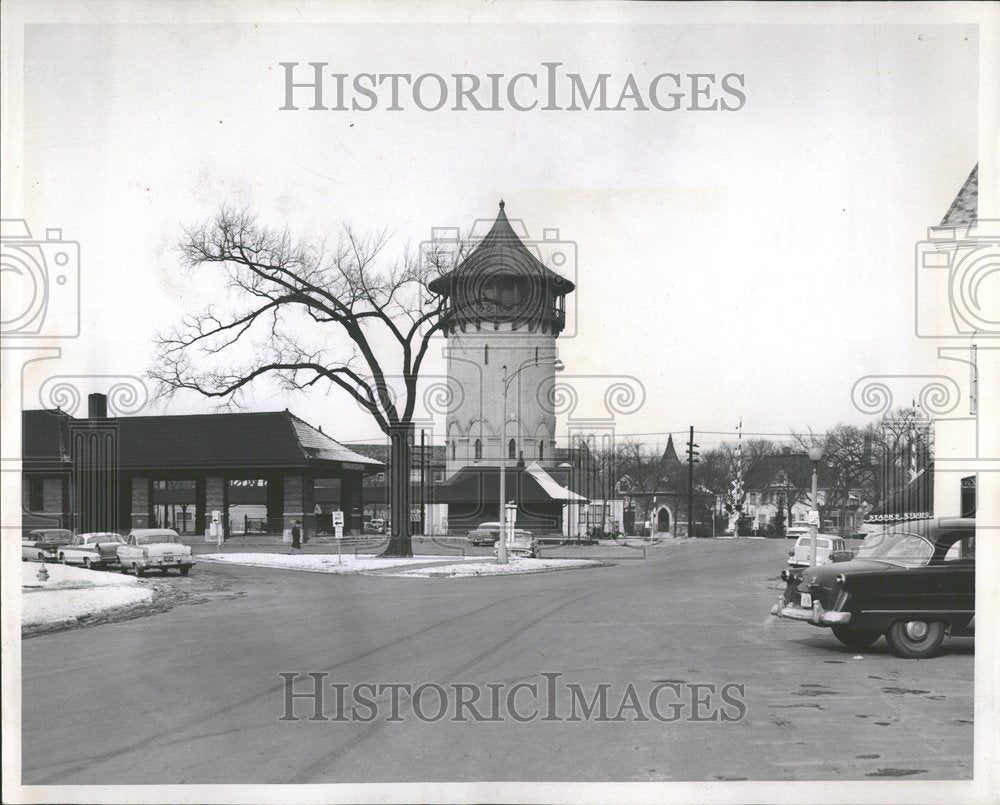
[541, 449]
[479, 450]
[512, 449]
[486, 353]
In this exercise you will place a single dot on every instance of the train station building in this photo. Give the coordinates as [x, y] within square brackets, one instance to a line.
[256, 472]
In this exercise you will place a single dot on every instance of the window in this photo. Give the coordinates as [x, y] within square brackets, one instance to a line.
[454, 448]
[486, 354]
[479, 450]
[36, 495]
[541, 449]
[512, 449]
[536, 356]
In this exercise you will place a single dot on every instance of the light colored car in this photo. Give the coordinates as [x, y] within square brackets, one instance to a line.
[42, 544]
[374, 526]
[796, 531]
[154, 549]
[522, 543]
[93, 551]
[828, 549]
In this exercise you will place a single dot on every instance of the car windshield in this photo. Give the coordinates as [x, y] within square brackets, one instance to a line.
[897, 547]
[151, 539]
[52, 536]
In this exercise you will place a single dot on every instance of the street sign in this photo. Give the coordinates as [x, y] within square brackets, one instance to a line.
[813, 517]
[338, 518]
[338, 531]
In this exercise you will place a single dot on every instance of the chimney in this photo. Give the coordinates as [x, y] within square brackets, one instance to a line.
[97, 406]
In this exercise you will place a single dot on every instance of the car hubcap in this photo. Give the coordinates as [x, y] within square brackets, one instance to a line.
[916, 630]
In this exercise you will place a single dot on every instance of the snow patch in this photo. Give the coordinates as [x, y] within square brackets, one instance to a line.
[321, 563]
[71, 593]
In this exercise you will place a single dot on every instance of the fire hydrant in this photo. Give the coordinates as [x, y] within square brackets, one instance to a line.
[43, 574]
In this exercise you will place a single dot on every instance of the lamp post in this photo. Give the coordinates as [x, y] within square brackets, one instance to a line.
[815, 456]
[507, 380]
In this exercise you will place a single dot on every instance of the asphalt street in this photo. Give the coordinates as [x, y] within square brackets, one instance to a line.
[193, 694]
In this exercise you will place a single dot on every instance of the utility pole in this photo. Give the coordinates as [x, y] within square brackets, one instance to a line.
[692, 458]
[423, 484]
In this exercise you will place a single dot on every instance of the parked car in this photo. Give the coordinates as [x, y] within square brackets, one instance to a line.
[43, 544]
[828, 549]
[796, 531]
[93, 551]
[914, 583]
[484, 534]
[374, 526]
[521, 543]
[154, 549]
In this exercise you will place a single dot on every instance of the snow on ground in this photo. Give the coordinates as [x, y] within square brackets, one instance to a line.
[72, 592]
[66, 576]
[319, 562]
[488, 568]
[417, 566]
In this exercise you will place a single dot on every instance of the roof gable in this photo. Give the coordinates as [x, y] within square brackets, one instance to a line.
[965, 207]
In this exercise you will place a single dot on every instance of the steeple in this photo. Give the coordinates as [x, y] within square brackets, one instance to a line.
[669, 453]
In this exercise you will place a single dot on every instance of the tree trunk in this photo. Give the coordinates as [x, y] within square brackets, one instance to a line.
[401, 444]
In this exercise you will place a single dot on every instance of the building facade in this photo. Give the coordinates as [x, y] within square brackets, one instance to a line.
[255, 472]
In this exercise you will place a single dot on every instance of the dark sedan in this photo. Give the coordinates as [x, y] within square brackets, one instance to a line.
[913, 583]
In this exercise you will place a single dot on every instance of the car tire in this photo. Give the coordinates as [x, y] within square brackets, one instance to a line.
[62, 559]
[856, 639]
[86, 563]
[915, 640]
[185, 570]
[139, 571]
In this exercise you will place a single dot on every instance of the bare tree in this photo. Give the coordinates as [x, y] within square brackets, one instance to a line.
[310, 315]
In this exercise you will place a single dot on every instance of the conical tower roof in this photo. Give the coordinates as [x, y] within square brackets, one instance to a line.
[501, 253]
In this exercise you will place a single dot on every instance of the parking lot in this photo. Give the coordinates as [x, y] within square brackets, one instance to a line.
[196, 696]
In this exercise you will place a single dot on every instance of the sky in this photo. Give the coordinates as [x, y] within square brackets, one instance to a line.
[746, 265]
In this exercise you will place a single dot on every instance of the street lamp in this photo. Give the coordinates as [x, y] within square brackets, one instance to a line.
[815, 456]
[558, 366]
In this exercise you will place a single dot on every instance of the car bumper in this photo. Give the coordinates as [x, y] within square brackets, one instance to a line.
[816, 615]
[156, 561]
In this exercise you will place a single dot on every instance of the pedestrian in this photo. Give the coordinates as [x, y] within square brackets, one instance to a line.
[296, 536]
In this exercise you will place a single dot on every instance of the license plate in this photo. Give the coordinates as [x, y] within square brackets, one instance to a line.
[807, 600]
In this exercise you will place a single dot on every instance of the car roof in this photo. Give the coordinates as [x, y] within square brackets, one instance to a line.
[151, 532]
[101, 534]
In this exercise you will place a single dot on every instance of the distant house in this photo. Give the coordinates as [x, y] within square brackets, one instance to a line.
[782, 482]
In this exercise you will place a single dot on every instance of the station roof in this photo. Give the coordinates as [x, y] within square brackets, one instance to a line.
[232, 440]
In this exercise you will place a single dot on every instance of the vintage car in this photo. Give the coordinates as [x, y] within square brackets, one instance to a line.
[484, 534]
[913, 583]
[154, 549]
[43, 544]
[93, 551]
[374, 526]
[828, 549]
[521, 543]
